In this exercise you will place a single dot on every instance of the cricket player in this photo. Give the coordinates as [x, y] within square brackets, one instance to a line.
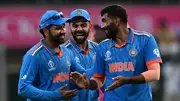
[83, 49]
[44, 75]
[129, 60]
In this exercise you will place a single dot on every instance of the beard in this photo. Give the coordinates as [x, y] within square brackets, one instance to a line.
[111, 31]
[80, 38]
[57, 38]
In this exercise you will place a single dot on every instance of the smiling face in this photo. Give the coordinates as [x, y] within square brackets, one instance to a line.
[56, 34]
[80, 29]
[109, 26]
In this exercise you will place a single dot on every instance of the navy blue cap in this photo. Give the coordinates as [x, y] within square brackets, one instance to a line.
[79, 13]
[52, 17]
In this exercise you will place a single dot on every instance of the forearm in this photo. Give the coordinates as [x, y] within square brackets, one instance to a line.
[135, 79]
[152, 74]
[34, 93]
[147, 76]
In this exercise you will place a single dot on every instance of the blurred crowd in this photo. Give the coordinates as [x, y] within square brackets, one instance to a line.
[168, 41]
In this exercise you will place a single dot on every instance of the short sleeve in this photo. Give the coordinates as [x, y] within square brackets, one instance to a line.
[99, 68]
[151, 52]
[29, 71]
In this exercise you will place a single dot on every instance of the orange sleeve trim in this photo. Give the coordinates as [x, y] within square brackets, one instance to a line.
[153, 61]
[98, 75]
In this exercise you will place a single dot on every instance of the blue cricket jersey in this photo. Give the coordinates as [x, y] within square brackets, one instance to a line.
[87, 60]
[130, 59]
[43, 71]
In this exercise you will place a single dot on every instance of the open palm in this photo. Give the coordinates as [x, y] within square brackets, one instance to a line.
[80, 79]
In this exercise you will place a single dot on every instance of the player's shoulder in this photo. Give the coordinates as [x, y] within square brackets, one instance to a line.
[67, 44]
[142, 37]
[105, 42]
[104, 45]
[141, 34]
[36, 50]
[92, 43]
[33, 54]
[65, 49]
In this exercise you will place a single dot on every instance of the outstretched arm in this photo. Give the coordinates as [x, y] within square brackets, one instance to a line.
[28, 74]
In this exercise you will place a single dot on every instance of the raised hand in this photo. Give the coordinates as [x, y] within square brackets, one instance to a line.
[118, 82]
[67, 94]
[80, 79]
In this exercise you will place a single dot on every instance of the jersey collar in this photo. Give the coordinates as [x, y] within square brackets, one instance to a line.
[129, 40]
[78, 49]
[50, 50]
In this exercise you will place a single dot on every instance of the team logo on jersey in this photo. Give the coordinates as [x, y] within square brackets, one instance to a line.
[61, 77]
[133, 52]
[108, 56]
[68, 63]
[77, 59]
[24, 77]
[51, 65]
[156, 52]
[78, 12]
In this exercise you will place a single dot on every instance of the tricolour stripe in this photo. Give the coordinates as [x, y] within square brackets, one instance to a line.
[36, 50]
[142, 33]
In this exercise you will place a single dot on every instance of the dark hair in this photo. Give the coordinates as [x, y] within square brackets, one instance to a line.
[96, 26]
[115, 11]
[42, 32]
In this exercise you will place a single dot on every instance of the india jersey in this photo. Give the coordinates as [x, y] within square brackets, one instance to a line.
[130, 59]
[87, 60]
[43, 71]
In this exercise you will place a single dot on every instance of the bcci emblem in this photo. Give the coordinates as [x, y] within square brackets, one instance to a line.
[108, 56]
[51, 65]
[68, 63]
[133, 52]
[79, 12]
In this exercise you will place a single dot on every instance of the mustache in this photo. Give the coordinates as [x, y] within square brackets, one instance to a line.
[79, 31]
[59, 34]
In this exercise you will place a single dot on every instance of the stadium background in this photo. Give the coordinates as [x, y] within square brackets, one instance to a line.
[19, 31]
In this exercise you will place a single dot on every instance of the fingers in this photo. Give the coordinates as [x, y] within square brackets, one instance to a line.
[84, 76]
[74, 94]
[69, 96]
[111, 87]
[63, 87]
[116, 78]
[75, 75]
[74, 80]
[86, 79]
[71, 91]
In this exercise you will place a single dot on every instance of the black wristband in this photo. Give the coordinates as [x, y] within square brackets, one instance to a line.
[93, 85]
